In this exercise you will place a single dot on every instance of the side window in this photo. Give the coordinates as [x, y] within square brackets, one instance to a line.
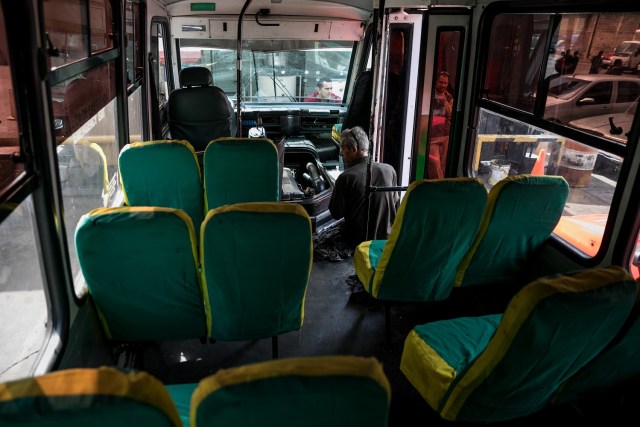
[85, 115]
[161, 64]
[22, 294]
[599, 92]
[576, 93]
[628, 91]
[135, 69]
[69, 32]
[134, 45]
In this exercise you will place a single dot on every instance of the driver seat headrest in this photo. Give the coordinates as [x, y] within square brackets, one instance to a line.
[195, 76]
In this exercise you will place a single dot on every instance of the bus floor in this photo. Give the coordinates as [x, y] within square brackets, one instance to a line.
[341, 318]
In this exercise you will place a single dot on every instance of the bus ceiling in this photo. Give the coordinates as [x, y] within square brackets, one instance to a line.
[226, 27]
[359, 10]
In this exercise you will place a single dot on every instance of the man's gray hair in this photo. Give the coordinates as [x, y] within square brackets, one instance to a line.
[356, 137]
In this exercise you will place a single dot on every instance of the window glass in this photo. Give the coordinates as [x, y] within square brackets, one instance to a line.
[160, 75]
[9, 138]
[135, 115]
[514, 59]
[274, 70]
[66, 26]
[588, 85]
[134, 53]
[399, 42]
[88, 157]
[69, 32]
[24, 315]
[437, 111]
[101, 21]
[78, 99]
[506, 147]
[634, 265]
[628, 91]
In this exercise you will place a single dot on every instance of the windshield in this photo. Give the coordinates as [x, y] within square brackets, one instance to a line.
[562, 86]
[281, 71]
[626, 48]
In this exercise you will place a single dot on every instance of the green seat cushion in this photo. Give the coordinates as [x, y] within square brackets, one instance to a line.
[256, 260]
[521, 213]
[162, 173]
[238, 170]
[140, 265]
[550, 329]
[319, 391]
[435, 225]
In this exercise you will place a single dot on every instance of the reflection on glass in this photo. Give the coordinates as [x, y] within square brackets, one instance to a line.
[272, 70]
[634, 265]
[68, 30]
[614, 126]
[24, 313]
[506, 147]
[135, 115]
[78, 100]
[514, 59]
[88, 163]
[9, 138]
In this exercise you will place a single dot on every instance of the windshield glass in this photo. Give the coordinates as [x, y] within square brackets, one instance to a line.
[561, 86]
[281, 71]
[626, 48]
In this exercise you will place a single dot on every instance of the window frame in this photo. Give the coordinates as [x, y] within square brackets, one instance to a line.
[627, 152]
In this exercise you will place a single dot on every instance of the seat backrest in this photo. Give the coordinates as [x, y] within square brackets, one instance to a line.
[256, 260]
[87, 397]
[618, 365]
[141, 268]
[162, 173]
[340, 391]
[432, 231]
[500, 367]
[521, 213]
[198, 111]
[239, 170]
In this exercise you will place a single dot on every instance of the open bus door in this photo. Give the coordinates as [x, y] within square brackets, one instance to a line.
[411, 133]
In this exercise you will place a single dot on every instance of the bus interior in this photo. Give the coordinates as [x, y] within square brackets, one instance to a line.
[85, 81]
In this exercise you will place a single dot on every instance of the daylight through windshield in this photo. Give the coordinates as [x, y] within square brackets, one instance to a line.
[281, 71]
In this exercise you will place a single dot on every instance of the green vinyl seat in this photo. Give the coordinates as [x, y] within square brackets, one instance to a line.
[98, 397]
[141, 269]
[240, 170]
[612, 371]
[521, 213]
[256, 261]
[500, 367]
[162, 173]
[319, 391]
[433, 229]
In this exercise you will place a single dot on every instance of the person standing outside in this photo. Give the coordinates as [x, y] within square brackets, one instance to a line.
[323, 92]
[440, 127]
[596, 63]
[349, 200]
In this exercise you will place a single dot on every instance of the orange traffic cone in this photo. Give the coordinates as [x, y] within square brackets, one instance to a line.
[538, 167]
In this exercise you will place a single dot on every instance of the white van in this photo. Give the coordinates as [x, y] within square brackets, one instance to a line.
[629, 53]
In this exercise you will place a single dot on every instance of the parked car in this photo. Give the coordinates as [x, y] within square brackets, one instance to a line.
[628, 52]
[573, 97]
[614, 126]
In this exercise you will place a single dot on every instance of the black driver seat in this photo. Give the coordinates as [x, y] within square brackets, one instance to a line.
[200, 112]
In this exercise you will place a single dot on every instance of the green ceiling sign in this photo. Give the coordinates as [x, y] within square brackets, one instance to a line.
[199, 7]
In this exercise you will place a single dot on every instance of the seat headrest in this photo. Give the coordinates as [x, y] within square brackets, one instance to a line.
[195, 76]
